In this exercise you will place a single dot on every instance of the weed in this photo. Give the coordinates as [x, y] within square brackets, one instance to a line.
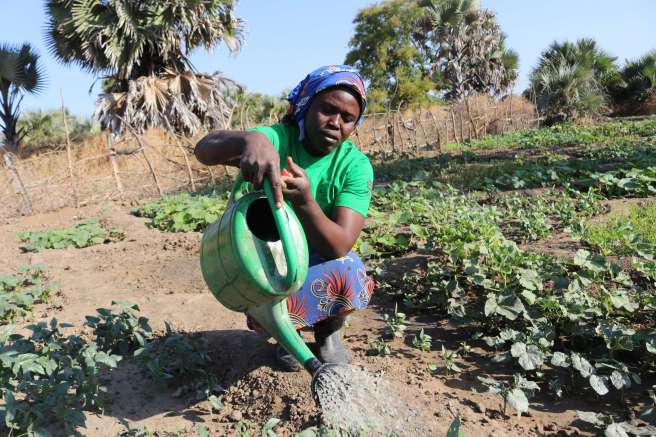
[631, 233]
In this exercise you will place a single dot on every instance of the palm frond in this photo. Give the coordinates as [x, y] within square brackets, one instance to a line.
[185, 102]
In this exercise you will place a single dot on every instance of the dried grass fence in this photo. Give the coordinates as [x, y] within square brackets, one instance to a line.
[137, 166]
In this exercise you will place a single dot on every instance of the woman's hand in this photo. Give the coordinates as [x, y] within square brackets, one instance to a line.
[260, 159]
[296, 185]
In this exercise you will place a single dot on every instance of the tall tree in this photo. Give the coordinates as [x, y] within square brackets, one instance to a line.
[573, 80]
[20, 73]
[470, 52]
[386, 48]
[141, 48]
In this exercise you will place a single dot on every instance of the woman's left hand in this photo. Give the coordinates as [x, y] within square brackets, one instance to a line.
[296, 185]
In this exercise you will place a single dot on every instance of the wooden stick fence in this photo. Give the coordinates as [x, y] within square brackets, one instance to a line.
[135, 166]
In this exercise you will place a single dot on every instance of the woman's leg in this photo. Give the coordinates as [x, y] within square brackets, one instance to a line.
[333, 288]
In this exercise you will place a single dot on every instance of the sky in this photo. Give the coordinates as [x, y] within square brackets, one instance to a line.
[289, 38]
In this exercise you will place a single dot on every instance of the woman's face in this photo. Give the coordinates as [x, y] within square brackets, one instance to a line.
[330, 120]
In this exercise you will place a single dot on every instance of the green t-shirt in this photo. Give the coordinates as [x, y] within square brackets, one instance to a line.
[344, 177]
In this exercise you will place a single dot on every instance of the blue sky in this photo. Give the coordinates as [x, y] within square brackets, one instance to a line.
[287, 39]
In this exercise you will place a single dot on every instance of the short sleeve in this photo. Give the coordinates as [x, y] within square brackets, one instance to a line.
[278, 135]
[356, 190]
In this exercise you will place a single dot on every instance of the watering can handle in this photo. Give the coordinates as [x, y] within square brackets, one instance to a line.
[284, 230]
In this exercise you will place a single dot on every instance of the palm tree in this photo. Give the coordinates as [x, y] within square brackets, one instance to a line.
[141, 50]
[471, 56]
[20, 73]
[573, 80]
[639, 77]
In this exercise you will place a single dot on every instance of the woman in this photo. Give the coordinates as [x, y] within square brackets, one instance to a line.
[328, 183]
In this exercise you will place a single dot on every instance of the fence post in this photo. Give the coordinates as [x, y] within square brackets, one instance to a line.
[512, 121]
[11, 167]
[114, 162]
[421, 124]
[190, 173]
[69, 158]
[471, 119]
[401, 127]
[142, 147]
[455, 128]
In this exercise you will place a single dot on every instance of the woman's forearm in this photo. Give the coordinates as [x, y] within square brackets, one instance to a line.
[325, 236]
[221, 147]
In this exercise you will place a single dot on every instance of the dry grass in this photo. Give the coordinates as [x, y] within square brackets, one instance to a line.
[475, 117]
[95, 179]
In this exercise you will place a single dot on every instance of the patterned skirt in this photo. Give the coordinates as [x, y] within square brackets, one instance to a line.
[333, 287]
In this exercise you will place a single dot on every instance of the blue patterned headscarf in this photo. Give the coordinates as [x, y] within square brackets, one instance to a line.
[324, 77]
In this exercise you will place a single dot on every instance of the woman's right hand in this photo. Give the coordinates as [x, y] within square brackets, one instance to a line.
[260, 159]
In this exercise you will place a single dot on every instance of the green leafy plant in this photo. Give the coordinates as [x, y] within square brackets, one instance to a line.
[421, 341]
[450, 358]
[137, 432]
[183, 212]
[121, 331]
[48, 377]
[182, 360]
[631, 233]
[21, 291]
[379, 346]
[84, 234]
[515, 393]
[244, 428]
[395, 324]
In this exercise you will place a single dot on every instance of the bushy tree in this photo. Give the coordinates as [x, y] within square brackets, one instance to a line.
[388, 51]
[417, 51]
[470, 53]
[639, 80]
[573, 80]
[20, 73]
[257, 108]
[141, 48]
[45, 129]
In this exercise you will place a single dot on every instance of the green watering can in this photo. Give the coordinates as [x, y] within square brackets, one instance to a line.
[252, 258]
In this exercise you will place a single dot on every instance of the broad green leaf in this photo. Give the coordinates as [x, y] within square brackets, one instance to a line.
[582, 365]
[529, 357]
[619, 380]
[597, 419]
[615, 430]
[518, 401]
[454, 429]
[202, 431]
[598, 383]
[559, 359]
[646, 430]
[269, 426]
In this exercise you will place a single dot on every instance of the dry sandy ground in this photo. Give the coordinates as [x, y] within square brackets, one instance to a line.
[160, 272]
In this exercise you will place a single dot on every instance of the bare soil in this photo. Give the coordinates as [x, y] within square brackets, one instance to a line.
[160, 272]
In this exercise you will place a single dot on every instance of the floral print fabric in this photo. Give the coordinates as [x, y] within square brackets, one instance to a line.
[333, 287]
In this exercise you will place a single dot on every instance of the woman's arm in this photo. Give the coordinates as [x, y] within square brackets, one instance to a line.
[330, 238]
[256, 156]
